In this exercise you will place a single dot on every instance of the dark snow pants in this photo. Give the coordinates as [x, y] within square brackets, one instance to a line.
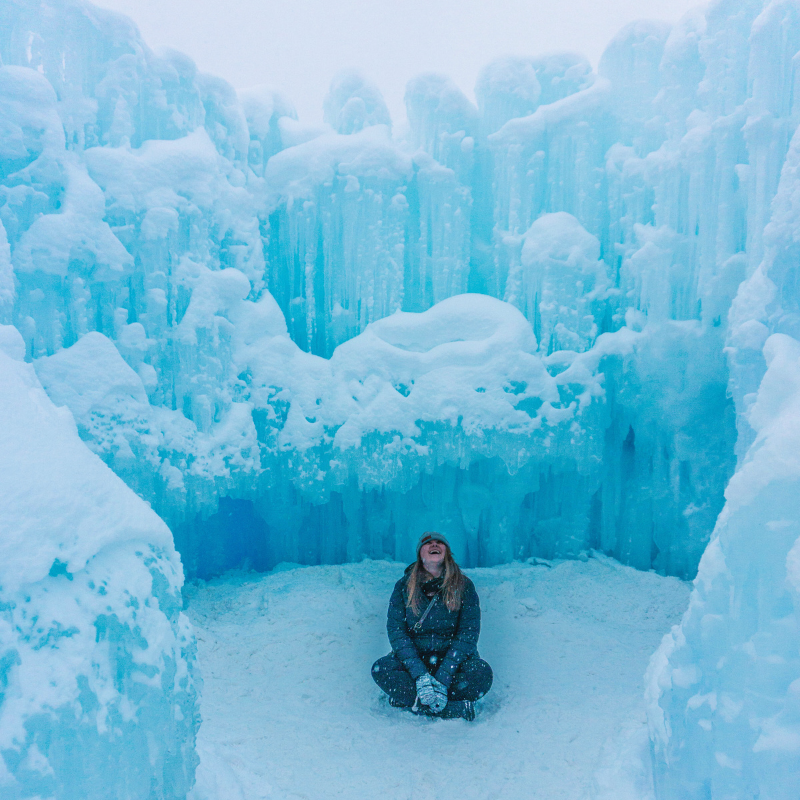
[471, 681]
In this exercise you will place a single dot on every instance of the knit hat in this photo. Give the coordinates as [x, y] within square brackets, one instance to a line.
[431, 537]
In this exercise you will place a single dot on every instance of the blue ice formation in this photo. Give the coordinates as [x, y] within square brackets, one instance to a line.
[211, 255]
[560, 319]
[724, 687]
[98, 690]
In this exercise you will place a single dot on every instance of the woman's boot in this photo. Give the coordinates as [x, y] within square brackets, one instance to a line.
[459, 709]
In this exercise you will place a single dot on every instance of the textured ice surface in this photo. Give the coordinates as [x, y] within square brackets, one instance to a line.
[724, 687]
[94, 649]
[537, 324]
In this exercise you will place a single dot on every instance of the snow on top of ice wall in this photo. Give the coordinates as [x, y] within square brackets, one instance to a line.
[30, 121]
[83, 508]
[297, 172]
[514, 86]
[580, 104]
[135, 180]
[72, 386]
[94, 647]
[467, 362]
[54, 241]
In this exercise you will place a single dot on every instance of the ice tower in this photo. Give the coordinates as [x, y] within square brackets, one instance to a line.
[724, 688]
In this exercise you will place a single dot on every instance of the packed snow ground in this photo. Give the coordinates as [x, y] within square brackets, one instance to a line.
[290, 710]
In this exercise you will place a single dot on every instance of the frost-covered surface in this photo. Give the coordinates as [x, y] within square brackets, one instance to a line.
[96, 658]
[290, 709]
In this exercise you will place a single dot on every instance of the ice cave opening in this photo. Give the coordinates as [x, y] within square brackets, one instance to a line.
[557, 323]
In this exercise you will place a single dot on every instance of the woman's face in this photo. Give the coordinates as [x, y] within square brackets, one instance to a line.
[433, 554]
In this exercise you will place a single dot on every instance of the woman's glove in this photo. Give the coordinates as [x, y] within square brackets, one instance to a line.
[425, 690]
[440, 700]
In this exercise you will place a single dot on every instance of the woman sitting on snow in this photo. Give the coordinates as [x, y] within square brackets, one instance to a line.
[433, 624]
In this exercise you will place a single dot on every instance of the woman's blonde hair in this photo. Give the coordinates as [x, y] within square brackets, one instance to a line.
[452, 583]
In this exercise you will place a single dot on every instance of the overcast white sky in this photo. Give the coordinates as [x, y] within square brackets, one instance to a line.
[298, 45]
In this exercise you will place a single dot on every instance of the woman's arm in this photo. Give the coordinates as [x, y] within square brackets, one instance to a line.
[465, 641]
[402, 645]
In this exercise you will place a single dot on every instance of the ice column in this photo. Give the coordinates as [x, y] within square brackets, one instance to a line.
[353, 103]
[337, 234]
[561, 285]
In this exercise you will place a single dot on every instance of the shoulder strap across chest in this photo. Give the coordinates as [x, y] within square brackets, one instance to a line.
[418, 624]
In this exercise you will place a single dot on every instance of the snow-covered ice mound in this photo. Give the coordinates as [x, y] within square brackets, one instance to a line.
[290, 709]
[96, 658]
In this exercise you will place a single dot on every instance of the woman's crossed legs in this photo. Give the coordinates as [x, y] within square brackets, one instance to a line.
[471, 681]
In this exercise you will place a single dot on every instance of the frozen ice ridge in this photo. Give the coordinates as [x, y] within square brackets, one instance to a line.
[97, 682]
[556, 321]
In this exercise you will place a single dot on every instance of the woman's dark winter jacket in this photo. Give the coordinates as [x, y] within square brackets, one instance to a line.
[451, 635]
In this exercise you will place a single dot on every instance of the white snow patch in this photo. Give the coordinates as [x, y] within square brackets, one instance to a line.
[290, 709]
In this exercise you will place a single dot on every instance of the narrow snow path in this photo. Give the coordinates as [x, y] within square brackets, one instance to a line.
[290, 709]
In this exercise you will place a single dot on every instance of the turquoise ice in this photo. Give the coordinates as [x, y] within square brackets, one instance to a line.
[562, 320]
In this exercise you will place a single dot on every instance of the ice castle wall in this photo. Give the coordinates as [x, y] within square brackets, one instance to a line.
[151, 209]
[149, 203]
[723, 699]
[723, 705]
[96, 658]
